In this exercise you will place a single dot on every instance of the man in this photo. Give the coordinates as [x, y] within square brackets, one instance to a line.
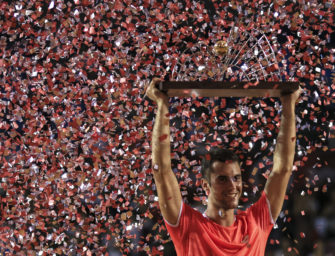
[219, 231]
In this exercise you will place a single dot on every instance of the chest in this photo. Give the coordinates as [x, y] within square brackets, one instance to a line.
[240, 233]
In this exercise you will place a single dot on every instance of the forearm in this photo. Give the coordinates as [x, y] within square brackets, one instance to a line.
[286, 140]
[276, 185]
[161, 157]
[169, 196]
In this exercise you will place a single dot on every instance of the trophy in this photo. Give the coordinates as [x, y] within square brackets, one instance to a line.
[242, 65]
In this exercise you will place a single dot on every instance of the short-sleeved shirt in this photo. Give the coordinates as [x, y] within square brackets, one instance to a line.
[197, 235]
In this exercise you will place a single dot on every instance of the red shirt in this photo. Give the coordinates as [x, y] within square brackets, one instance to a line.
[197, 235]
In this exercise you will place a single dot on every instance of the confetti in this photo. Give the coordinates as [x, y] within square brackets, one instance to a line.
[75, 129]
[163, 137]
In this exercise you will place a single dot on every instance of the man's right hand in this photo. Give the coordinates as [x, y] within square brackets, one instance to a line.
[155, 94]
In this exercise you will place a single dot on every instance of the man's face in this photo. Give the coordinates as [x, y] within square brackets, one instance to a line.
[226, 185]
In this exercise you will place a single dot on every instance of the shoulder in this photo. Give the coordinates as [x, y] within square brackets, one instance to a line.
[259, 211]
[262, 200]
[190, 212]
[186, 214]
[260, 203]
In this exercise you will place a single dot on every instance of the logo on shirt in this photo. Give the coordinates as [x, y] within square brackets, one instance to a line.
[245, 240]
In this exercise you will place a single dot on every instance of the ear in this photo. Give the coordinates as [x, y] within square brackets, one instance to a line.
[205, 185]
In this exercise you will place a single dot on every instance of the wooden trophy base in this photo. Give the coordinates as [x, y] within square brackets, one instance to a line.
[227, 89]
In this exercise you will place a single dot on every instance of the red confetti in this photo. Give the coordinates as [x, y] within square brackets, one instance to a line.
[75, 131]
[163, 137]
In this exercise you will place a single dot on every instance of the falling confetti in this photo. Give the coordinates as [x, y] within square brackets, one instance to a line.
[75, 127]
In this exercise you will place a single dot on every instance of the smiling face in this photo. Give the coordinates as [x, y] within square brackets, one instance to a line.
[225, 188]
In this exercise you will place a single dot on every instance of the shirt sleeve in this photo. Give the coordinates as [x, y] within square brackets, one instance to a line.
[261, 212]
[179, 231]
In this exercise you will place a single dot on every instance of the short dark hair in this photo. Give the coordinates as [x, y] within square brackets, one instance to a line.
[216, 154]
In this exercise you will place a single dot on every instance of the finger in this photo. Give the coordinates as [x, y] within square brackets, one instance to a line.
[150, 85]
[146, 88]
[154, 81]
[299, 94]
[300, 90]
[151, 89]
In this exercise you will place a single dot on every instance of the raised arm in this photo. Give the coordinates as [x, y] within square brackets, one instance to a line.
[168, 190]
[276, 185]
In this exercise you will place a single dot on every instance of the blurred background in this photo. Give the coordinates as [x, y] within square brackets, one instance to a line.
[75, 127]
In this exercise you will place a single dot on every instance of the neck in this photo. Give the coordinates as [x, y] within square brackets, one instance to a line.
[221, 216]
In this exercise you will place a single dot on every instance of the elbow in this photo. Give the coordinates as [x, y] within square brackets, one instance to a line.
[283, 170]
[161, 166]
[283, 165]
[287, 170]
